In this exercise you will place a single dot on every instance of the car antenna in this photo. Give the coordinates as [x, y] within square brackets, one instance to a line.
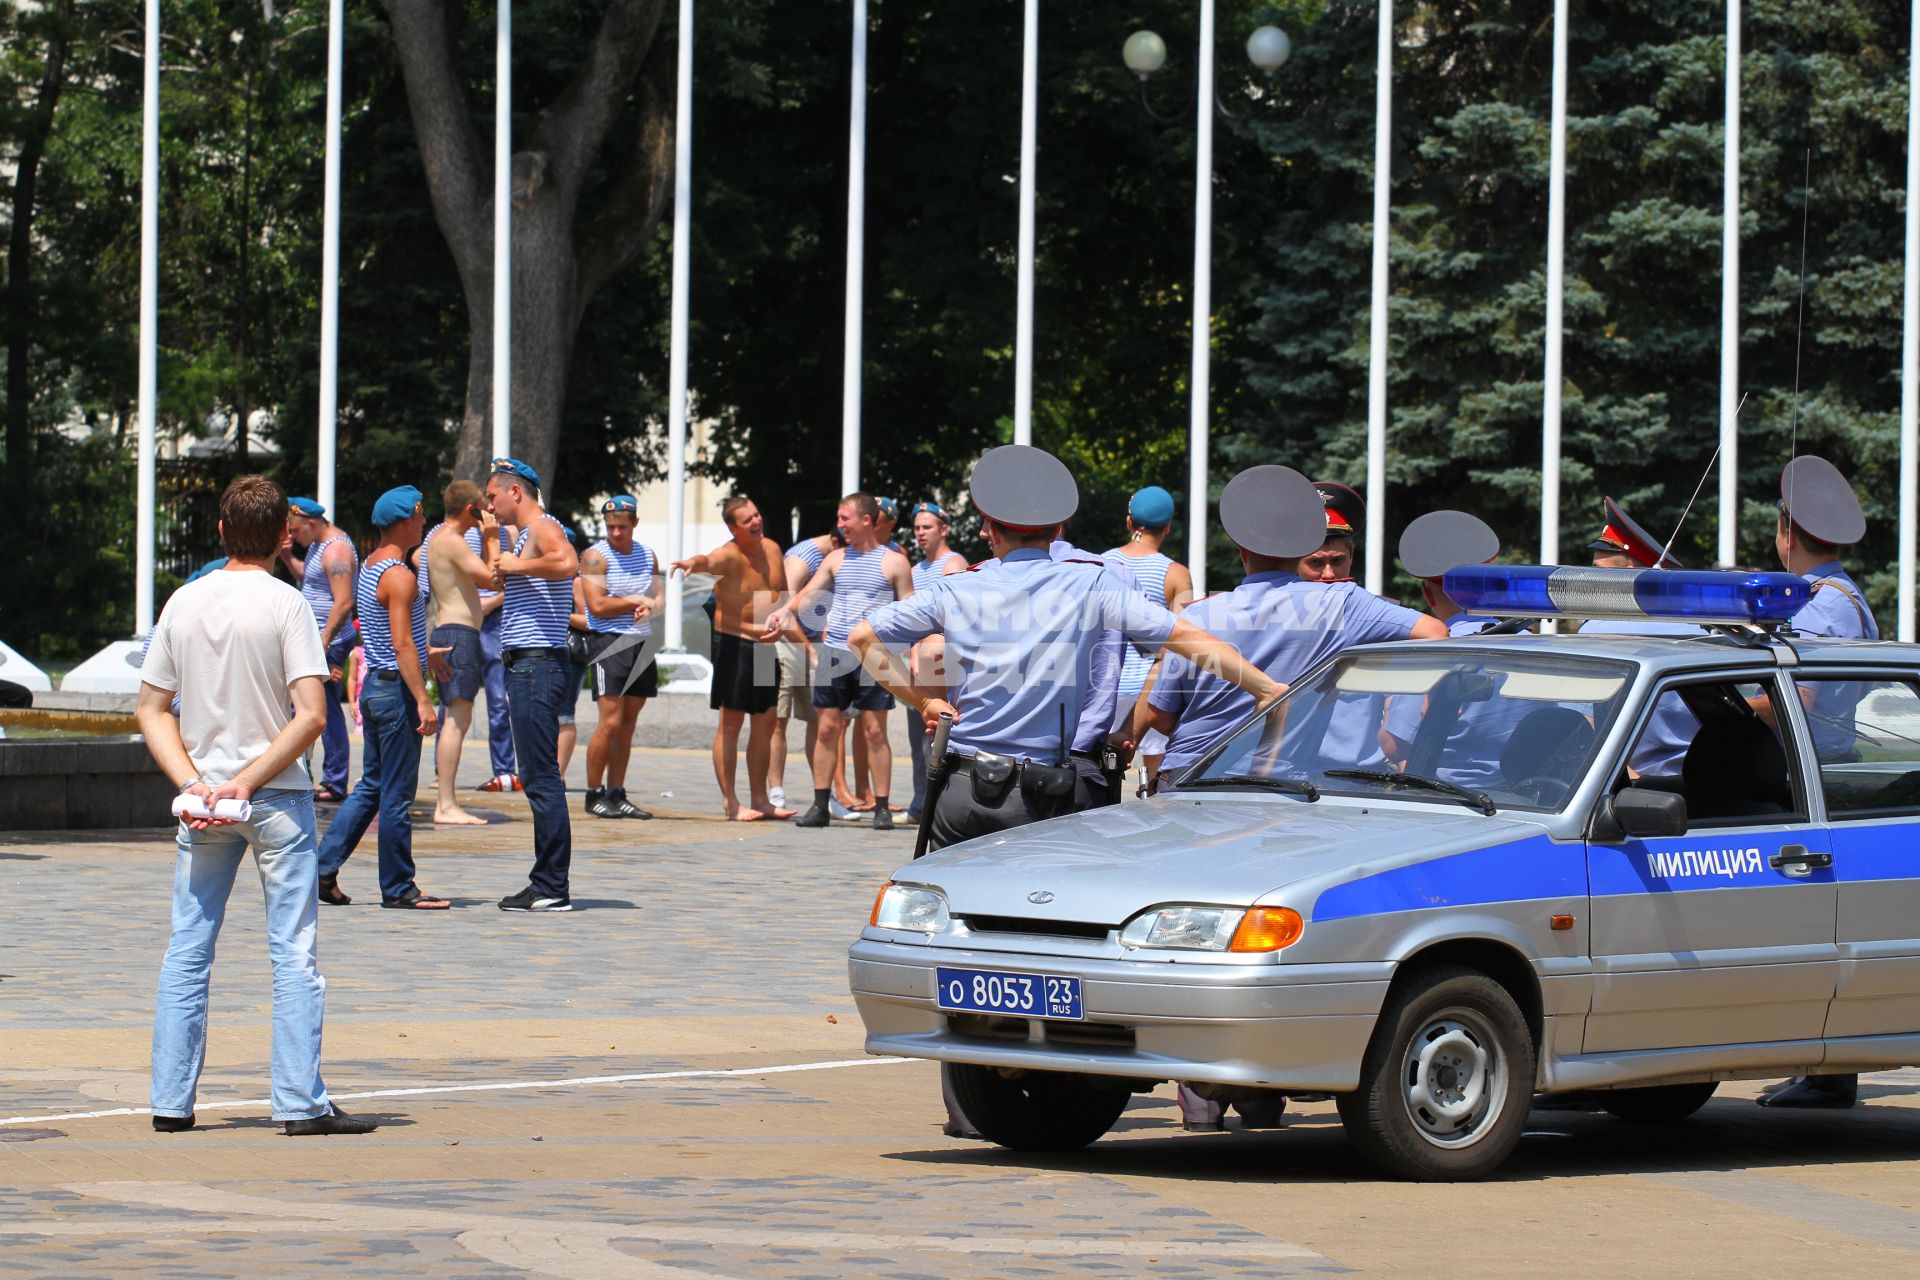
[1704, 473]
[1799, 323]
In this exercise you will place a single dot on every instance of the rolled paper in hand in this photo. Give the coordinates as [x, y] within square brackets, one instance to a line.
[231, 809]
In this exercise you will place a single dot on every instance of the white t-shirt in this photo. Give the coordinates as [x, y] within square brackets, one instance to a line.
[231, 645]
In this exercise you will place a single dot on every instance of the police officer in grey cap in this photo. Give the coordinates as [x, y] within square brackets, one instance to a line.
[1819, 514]
[1021, 634]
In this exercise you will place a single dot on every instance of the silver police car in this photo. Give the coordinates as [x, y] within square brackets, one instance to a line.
[1631, 864]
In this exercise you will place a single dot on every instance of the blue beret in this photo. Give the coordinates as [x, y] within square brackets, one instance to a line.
[888, 508]
[1151, 507]
[307, 507]
[620, 504]
[207, 568]
[931, 507]
[396, 505]
[515, 467]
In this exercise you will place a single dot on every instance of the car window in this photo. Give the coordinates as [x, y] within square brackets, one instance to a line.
[1866, 734]
[1718, 744]
[1520, 728]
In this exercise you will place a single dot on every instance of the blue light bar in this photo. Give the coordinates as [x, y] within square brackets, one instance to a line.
[1695, 595]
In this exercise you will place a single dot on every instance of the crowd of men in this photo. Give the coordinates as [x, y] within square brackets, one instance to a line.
[1031, 680]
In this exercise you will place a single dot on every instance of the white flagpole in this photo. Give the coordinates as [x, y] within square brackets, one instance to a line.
[1556, 269]
[149, 324]
[1728, 550]
[330, 268]
[1023, 314]
[1201, 375]
[503, 234]
[1910, 344]
[1377, 331]
[677, 360]
[856, 255]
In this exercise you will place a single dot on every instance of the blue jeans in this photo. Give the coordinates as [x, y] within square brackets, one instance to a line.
[539, 685]
[493, 678]
[389, 774]
[335, 748]
[280, 833]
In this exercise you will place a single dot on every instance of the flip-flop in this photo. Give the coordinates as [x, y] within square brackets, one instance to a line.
[328, 795]
[418, 902]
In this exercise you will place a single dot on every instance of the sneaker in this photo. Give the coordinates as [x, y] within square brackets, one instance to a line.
[172, 1124]
[882, 819]
[335, 1121]
[623, 807]
[503, 782]
[528, 900]
[815, 816]
[843, 813]
[599, 804]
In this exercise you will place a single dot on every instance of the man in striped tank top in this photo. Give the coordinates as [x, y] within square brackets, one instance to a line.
[623, 592]
[863, 575]
[1163, 580]
[537, 579]
[795, 699]
[325, 573]
[928, 658]
[394, 707]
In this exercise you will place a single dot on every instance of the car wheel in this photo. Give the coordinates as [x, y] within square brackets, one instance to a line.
[1038, 1110]
[1446, 1079]
[1658, 1104]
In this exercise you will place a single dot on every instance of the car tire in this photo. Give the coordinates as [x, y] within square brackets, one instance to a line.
[1038, 1110]
[1658, 1104]
[1446, 1080]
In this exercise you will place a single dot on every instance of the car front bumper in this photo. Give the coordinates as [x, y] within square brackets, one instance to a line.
[1299, 1027]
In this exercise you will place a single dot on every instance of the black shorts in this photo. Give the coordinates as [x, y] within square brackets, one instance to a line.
[746, 675]
[616, 669]
[839, 681]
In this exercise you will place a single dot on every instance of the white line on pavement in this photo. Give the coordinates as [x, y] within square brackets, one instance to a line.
[414, 1091]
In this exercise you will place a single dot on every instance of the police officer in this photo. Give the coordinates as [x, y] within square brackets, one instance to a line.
[1021, 634]
[1819, 514]
[1346, 513]
[1282, 622]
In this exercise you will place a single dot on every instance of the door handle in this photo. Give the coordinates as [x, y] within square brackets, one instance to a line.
[1794, 860]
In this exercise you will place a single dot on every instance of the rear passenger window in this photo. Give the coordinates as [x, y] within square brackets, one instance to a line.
[1866, 734]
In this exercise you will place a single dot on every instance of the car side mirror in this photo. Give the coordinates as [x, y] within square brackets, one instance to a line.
[1642, 812]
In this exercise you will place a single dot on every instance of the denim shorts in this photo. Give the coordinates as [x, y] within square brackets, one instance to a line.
[463, 682]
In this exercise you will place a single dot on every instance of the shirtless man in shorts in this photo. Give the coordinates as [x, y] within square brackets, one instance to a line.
[456, 575]
[751, 584]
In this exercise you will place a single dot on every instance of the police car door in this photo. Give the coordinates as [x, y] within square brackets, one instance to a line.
[1865, 731]
[1723, 935]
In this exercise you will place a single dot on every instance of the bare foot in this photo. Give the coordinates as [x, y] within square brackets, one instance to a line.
[456, 818]
[769, 809]
[748, 815]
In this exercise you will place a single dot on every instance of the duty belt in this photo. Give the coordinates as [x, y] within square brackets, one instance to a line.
[964, 764]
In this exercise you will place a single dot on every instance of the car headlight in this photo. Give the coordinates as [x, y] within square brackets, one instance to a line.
[1187, 927]
[913, 908]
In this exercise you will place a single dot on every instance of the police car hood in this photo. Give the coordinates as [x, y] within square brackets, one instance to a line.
[1105, 865]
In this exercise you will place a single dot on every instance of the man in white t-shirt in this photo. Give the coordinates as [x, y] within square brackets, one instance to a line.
[240, 650]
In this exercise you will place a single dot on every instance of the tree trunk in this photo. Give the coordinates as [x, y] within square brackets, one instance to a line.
[22, 308]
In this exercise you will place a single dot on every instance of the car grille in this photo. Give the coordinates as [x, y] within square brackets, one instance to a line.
[1040, 928]
[987, 1026]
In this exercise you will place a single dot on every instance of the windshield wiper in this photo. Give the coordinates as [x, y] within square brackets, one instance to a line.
[1473, 799]
[1289, 786]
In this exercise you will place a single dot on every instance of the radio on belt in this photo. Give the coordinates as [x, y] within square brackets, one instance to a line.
[1692, 595]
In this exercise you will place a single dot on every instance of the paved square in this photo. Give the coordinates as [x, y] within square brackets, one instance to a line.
[669, 1083]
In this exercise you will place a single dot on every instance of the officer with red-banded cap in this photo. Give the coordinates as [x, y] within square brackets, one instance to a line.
[1623, 544]
[1346, 513]
[1819, 514]
[1021, 632]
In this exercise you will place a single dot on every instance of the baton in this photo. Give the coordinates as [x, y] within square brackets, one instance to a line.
[936, 782]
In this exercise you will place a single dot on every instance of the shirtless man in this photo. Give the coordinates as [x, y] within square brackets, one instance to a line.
[751, 584]
[456, 575]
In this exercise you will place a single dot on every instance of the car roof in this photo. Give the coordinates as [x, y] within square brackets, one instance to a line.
[1660, 653]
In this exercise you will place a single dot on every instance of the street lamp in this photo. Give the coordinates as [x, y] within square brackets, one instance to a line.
[1145, 53]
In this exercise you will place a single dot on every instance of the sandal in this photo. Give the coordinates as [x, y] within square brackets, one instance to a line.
[416, 901]
[324, 794]
[330, 892]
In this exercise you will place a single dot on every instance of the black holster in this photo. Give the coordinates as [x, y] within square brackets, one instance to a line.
[992, 777]
[1043, 782]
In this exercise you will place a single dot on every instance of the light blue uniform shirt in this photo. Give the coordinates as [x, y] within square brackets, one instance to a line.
[1024, 632]
[1662, 748]
[1103, 708]
[1838, 610]
[1472, 752]
[1284, 626]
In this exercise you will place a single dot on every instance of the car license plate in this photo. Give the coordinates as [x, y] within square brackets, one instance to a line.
[1020, 995]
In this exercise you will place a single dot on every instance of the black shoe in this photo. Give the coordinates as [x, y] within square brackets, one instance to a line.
[528, 900]
[1814, 1093]
[599, 805]
[335, 1121]
[617, 797]
[330, 892]
[815, 816]
[882, 818]
[172, 1124]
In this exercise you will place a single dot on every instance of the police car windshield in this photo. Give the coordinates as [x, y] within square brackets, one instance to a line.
[1521, 729]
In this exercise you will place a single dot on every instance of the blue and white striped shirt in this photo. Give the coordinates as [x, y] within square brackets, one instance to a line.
[376, 624]
[535, 614]
[629, 576]
[808, 553]
[859, 587]
[313, 578]
[1149, 573]
[928, 572]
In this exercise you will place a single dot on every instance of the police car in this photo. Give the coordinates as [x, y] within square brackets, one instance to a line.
[1632, 864]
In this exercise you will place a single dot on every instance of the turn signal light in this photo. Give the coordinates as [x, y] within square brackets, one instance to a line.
[873, 917]
[1267, 929]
